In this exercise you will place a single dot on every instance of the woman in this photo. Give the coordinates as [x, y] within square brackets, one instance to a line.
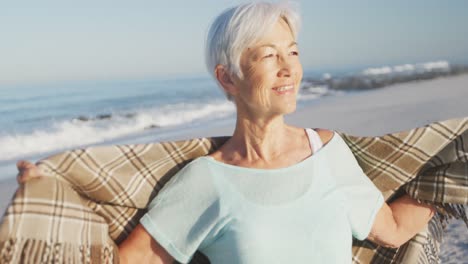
[273, 193]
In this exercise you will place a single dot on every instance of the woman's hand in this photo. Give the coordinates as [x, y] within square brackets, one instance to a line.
[27, 171]
[399, 221]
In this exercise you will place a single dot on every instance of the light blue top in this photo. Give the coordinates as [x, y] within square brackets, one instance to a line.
[305, 213]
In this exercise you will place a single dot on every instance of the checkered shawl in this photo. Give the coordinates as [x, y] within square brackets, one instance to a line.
[92, 198]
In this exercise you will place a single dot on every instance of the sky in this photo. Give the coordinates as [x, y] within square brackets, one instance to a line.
[101, 39]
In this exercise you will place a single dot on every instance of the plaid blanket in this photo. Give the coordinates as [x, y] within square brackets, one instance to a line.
[92, 198]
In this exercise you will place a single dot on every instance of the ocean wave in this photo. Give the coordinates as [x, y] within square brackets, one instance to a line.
[437, 66]
[72, 133]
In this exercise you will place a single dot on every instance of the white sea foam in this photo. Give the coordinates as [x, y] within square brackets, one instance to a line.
[437, 65]
[409, 68]
[68, 134]
[404, 68]
[376, 71]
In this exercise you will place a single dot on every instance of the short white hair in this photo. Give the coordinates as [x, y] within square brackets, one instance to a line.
[241, 26]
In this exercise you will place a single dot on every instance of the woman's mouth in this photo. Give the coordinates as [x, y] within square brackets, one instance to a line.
[285, 89]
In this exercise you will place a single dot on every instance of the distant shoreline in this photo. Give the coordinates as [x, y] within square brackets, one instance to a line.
[374, 78]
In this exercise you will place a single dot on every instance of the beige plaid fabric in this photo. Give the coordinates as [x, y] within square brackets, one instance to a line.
[94, 197]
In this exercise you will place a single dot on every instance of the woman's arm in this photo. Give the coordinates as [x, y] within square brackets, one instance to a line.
[399, 221]
[139, 247]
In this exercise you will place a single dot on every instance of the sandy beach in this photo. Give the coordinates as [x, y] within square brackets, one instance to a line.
[374, 112]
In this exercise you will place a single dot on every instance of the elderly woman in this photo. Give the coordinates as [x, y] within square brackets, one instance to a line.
[273, 193]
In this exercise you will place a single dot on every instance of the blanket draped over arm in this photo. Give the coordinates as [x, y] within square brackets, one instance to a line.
[92, 198]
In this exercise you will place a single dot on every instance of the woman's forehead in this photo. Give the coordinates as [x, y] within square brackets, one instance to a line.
[279, 35]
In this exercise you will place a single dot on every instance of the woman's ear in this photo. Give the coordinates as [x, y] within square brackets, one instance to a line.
[225, 79]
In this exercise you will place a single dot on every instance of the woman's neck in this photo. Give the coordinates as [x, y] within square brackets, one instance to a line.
[259, 139]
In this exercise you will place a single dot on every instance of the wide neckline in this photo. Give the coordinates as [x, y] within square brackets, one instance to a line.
[301, 163]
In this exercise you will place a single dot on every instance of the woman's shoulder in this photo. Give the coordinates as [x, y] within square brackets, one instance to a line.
[325, 134]
[196, 166]
[195, 176]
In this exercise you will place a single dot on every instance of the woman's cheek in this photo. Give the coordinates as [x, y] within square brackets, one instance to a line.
[262, 95]
[298, 69]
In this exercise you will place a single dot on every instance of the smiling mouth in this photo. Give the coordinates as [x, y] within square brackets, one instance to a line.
[284, 89]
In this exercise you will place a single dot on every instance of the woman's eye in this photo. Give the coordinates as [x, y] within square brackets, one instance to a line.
[270, 55]
[294, 53]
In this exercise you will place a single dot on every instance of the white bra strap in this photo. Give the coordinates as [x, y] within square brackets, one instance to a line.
[314, 139]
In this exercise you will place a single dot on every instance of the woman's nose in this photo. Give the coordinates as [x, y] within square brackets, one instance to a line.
[285, 68]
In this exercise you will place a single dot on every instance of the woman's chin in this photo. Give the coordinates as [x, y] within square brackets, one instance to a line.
[288, 108]
[291, 110]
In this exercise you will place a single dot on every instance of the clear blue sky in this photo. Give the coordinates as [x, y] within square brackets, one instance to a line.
[106, 39]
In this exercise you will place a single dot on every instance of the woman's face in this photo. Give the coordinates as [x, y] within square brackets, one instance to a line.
[272, 74]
